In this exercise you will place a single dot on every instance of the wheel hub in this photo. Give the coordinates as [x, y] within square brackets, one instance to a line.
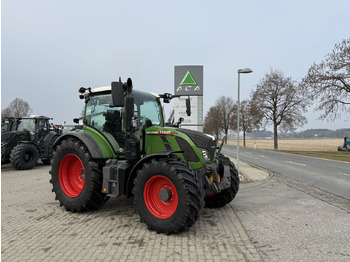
[82, 174]
[165, 194]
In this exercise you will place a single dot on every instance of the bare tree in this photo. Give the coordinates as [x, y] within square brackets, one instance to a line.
[281, 102]
[224, 106]
[17, 108]
[211, 122]
[218, 117]
[250, 118]
[329, 82]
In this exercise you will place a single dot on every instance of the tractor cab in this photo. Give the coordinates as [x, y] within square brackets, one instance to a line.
[111, 121]
[7, 124]
[36, 128]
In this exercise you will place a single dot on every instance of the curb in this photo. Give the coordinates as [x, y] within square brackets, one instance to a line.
[249, 173]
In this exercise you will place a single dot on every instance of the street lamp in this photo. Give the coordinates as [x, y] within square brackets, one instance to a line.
[240, 71]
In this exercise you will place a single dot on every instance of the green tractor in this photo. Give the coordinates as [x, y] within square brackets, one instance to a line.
[346, 145]
[124, 148]
[29, 139]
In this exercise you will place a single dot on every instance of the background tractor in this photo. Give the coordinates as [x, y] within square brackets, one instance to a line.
[346, 145]
[7, 124]
[29, 140]
[124, 148]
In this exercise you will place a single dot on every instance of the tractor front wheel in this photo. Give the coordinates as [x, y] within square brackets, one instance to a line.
[227, 195]
[76, 178]
[24, 156]
[168, 196]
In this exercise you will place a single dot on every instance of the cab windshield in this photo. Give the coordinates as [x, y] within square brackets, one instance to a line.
[26, 124]
[146, 107]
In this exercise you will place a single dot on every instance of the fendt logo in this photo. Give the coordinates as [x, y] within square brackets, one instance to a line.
[188, 84]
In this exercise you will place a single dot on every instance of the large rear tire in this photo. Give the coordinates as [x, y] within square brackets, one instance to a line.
[227, 195]
[24, 156]
[76, 178]
[47, 160]
[168, 196]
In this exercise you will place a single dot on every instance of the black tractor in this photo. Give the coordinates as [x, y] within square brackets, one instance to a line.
[7, 124]
[29, 139]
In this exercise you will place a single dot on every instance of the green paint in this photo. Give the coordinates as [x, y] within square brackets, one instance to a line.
[188, 79]
[105, 147]
[154, 144]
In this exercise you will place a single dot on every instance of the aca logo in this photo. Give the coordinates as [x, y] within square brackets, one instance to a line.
[188, 84]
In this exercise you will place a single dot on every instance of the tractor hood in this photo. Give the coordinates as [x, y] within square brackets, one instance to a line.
[201, 140]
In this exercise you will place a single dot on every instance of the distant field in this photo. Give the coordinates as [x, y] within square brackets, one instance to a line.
[323, 148]
[326, 144]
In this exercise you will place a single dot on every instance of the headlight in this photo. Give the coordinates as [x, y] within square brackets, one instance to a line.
[205, 155]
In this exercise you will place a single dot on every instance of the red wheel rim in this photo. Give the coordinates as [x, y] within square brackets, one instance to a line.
[160, 197]
[72, 175]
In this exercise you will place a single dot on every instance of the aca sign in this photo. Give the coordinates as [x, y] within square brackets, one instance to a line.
[189, 83]
[188, 80]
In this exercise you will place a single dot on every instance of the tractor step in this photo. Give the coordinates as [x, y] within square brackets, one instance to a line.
[115, 175]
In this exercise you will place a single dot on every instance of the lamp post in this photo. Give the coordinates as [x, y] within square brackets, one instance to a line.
[240, 71]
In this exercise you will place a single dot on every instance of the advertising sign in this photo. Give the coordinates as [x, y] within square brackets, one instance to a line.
[189, 83]
[189, 80]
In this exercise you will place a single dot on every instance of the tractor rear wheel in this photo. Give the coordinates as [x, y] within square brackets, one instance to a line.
[24, 156]
[47, 160]
[227, 195]
[168, 196]
[76, 178]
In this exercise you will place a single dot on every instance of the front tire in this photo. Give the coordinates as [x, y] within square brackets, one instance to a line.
[168, 196]
[76, 178]
[227, 195]
[24, 156]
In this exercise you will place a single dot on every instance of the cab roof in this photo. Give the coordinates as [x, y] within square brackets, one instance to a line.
[104, 89]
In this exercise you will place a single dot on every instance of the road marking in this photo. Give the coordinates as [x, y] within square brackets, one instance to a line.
[344, 174]
[294, 163]
[264, 156]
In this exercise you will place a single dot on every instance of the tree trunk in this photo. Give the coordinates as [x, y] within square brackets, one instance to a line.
[275, 138]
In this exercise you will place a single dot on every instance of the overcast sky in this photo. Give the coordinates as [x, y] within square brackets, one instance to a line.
[50, 48]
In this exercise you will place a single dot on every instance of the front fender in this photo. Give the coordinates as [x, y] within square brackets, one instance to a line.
[132, 175]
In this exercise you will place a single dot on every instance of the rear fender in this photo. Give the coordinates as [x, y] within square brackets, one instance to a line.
[92, 146]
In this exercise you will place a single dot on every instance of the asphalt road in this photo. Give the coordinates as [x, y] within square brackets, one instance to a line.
[328, 175]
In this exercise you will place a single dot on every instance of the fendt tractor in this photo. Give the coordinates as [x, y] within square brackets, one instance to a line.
[28, 139]
[124, 148]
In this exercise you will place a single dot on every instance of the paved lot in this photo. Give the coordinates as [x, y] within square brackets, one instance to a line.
[35, 228]
[271, 219]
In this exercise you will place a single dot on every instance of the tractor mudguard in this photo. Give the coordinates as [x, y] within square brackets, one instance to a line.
[132, 175]
[94, 149]
[47, 142]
